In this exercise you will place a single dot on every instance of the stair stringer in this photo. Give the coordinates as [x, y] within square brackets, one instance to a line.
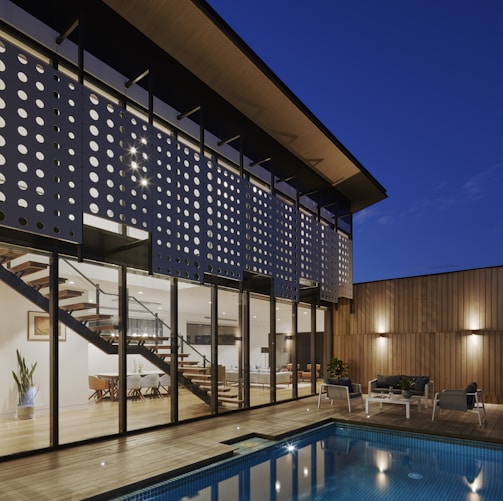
[166, 367]
[92, 337]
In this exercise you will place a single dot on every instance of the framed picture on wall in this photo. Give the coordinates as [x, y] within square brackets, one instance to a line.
[38, 327]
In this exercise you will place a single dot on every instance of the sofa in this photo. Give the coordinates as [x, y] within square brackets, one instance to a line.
[423, 385]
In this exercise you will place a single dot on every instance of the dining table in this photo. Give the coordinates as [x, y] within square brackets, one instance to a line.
[113, 380]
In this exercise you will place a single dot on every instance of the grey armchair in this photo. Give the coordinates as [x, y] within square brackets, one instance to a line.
[341, 392]
[461, 400]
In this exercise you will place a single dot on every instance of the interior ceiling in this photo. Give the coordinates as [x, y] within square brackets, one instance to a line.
[223, 69]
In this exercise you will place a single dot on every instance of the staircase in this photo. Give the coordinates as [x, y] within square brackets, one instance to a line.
[85, 319]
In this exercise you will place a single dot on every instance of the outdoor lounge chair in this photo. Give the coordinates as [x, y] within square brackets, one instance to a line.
[461, 400]
[341, 392]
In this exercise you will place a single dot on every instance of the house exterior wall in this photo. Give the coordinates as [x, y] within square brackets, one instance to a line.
[449, 326]
[101, 190]
[68, 151]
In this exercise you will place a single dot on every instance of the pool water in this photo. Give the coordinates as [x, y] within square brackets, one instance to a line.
[344, 462]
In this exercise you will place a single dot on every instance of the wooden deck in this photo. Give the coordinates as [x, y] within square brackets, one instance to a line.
[89, 471]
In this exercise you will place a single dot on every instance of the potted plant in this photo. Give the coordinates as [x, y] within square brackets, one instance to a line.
[407, 384]
[337, 368]
[26, 388]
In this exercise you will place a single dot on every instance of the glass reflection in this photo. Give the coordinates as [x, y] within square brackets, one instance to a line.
[352, 462]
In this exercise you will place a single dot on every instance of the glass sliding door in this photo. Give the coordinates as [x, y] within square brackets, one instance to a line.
[25, 408]
[149, 357]
[194, 340]
[284, 350]
[310, 337]
[259, 350]
[304, 349]
[230, 355]
[88, 356]
[320, 344]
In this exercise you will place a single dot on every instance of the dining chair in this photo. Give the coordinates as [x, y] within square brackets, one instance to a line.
[164, 383]
[150, 383]
[100, 387]
[133, 386]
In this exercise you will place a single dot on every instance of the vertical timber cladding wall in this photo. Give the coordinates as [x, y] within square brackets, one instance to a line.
[449, 326]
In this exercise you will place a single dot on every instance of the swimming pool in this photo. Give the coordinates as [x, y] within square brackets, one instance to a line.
[344, 461]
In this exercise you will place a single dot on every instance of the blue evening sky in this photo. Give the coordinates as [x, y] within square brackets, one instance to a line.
[414, 89]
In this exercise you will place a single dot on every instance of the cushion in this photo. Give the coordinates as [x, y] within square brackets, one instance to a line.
[341, 381]
[470, 399]
[419, 383]
[387, 381]
[346, 381]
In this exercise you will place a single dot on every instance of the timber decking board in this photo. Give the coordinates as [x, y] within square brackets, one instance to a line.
[76, 473]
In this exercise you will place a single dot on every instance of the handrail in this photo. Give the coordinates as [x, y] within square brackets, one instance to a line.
[139, 303]
[183, 340]
[96, 286]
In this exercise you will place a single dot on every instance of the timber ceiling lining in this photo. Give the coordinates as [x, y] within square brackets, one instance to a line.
[200, 60]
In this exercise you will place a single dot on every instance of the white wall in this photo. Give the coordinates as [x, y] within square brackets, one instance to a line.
[14, 335]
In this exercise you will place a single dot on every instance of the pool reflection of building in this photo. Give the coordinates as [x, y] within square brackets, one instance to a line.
[344, 462]
[171, 208]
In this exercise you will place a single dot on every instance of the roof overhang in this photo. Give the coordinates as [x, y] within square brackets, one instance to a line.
[193, 34]
[198, 61]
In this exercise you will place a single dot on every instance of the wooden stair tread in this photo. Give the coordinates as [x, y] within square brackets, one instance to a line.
[199, 370]
[110, 338]
[197, 376]
[28, 267]
[7, 255]
[230, 399]
[140, 339]
[187, 363]
[94, 316]
[199, 382]
[155, 347]
[44, 282]
[79, 306]
[167, 355]
[221, 389]
[68, 293]
[104, 327]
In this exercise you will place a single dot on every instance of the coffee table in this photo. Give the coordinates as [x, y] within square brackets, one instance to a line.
[395, 400]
